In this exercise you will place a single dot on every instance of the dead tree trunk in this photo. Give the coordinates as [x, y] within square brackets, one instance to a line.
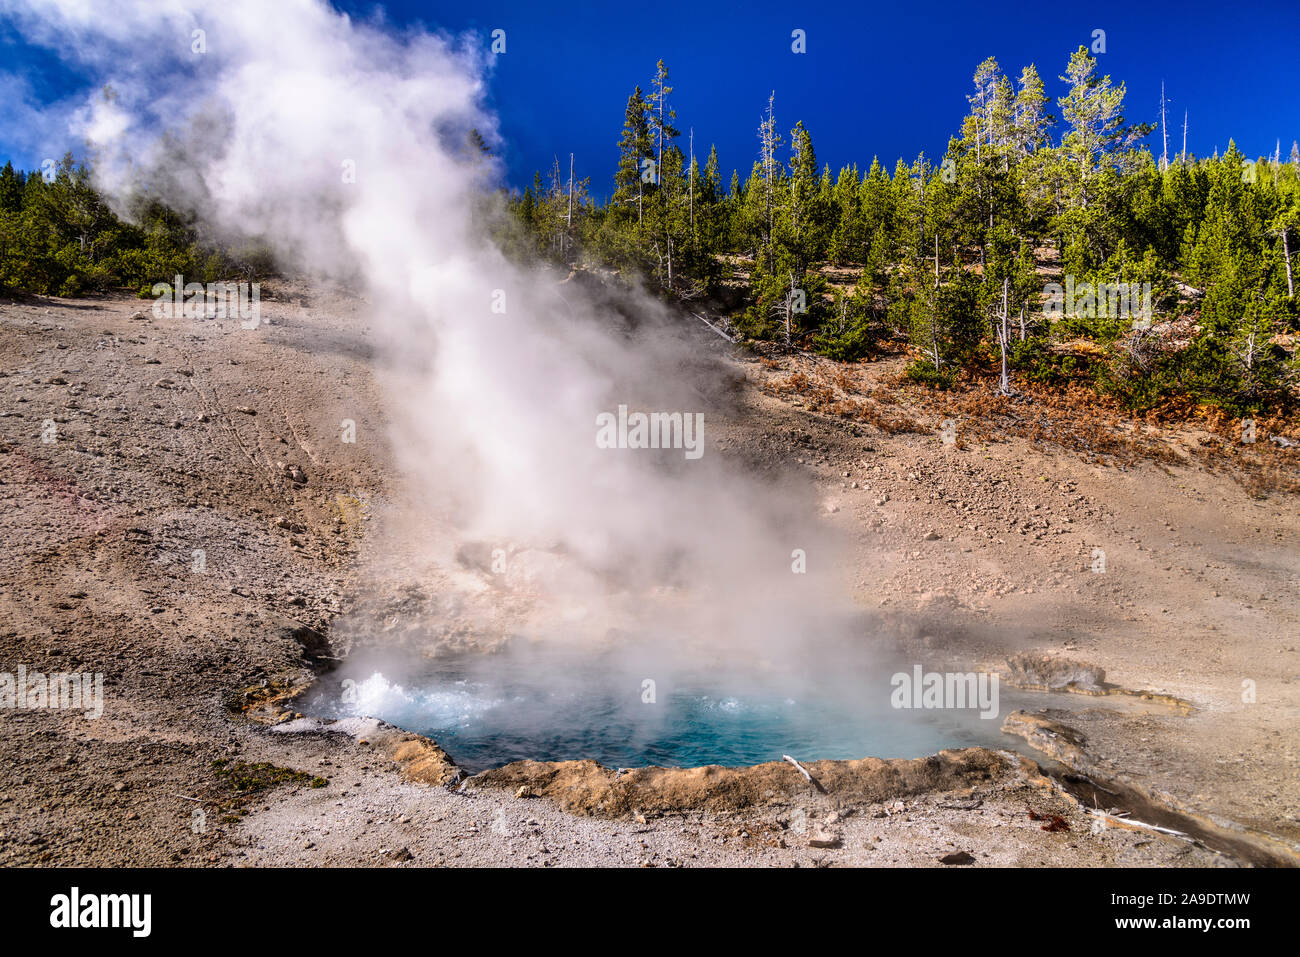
[1004, 339]
[934, 312]
[691, 174]
[1164, 131]
[789, 307]
[1286, 254]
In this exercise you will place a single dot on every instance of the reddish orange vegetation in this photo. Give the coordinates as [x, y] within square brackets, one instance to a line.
[835, 398]
[1073, 416]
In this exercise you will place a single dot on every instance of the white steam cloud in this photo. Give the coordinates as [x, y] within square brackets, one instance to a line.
[493, 415]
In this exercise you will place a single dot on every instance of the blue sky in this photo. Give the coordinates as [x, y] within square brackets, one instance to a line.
[887, 80]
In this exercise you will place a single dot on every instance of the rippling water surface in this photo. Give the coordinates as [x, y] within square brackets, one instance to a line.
[488, 711]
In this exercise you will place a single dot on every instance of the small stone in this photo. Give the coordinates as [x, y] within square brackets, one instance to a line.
[960, 857]
[824, 839]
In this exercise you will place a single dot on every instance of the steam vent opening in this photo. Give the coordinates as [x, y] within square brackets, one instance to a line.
[625, 709]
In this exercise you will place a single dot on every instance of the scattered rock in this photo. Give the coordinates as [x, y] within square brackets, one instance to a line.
[1045, 673]
[959, 857]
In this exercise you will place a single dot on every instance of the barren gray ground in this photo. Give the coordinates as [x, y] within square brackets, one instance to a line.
[177, 436]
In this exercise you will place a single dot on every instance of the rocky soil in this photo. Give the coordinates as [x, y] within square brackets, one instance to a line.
[181, 513]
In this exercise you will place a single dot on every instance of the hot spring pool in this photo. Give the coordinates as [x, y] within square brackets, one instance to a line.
[486, 711]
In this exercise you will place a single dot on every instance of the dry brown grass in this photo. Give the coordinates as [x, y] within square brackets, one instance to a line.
[837, 395]
[1073, 417]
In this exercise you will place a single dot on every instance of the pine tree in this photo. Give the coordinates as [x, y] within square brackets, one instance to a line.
[1030, 121]
[661, 115]
[1097, 138]
[769, 142]
[635, 147]
[11, 188]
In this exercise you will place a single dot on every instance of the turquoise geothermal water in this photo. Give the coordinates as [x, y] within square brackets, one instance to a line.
[487, 711]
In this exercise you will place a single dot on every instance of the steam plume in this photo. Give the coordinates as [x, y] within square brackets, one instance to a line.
[493, 414]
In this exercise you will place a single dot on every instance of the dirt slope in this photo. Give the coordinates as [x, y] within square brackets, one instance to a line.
[192, 530]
